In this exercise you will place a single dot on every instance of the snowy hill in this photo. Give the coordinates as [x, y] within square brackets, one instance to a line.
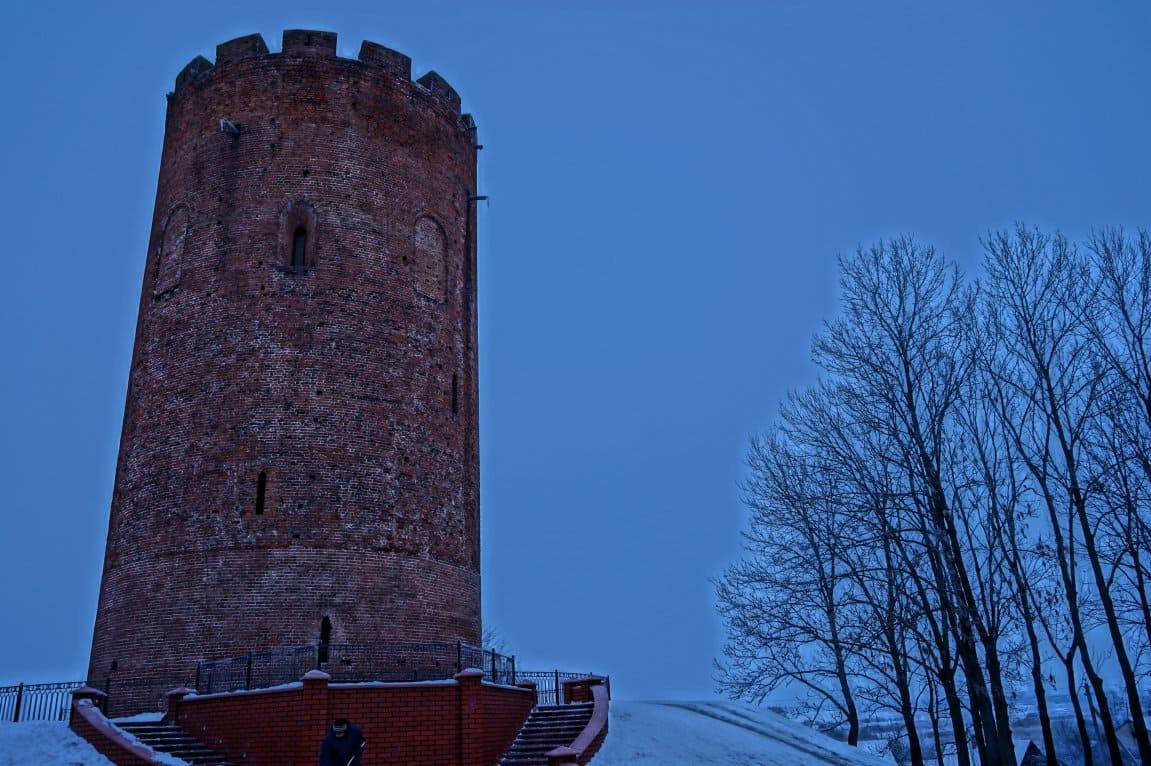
[700, 733]
[45, 742]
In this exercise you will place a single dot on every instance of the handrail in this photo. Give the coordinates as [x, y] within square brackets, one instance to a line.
[587, 743]
[112, 735]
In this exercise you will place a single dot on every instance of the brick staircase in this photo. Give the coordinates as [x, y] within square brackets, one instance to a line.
[169, 738]
[548, 727]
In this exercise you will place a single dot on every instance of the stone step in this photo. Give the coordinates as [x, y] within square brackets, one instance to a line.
[552, 730]
[580, 716]
[548, 727]
[576, 724]
[569, 717]
[534, 742]
[538, 750]
[168, 738]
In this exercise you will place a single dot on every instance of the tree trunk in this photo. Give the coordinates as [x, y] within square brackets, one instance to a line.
[956, 575]
[1067, 571]
[1130, 685]
[982, 713]
[844, 682]
[1002, 710]
[1039, 687]
[1023, 594]
[933, 703]
[1096, 683]
[955, 713]
[977, 732]
[906, 706]
[1077, 706]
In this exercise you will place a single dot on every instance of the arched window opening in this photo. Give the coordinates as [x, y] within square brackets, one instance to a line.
[299, 249]
[261, 491]
[171, 253]
[455, 393]
[297, 237]
[325, 640]
[431, 263]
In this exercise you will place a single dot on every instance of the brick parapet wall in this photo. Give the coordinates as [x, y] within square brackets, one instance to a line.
[459, 722]
[505, 710]
[86, 719]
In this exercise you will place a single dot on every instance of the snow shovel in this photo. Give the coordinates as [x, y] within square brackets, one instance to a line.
[357, 753]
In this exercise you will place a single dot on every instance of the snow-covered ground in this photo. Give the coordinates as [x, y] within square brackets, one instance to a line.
[700, 733]
[663, 733]
[49, 743]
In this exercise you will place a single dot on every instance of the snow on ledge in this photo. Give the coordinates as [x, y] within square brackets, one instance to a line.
[140, 718]
[342, 685]
[392, 684]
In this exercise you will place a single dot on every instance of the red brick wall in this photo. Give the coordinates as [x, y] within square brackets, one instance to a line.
[405, 724]
[504, 711]
[335, 382]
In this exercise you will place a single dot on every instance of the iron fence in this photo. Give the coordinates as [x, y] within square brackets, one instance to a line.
[128, 695]
[37, 702]
[549, 683]
[393, 661]
[387, 661]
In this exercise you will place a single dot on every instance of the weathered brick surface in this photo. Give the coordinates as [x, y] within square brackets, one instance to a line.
[505, 711]
[439, 724]
[337, 381]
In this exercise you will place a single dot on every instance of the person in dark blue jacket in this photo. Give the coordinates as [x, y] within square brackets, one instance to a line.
[343, 745]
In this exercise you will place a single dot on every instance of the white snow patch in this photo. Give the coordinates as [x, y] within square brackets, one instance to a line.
[729, 733]
[248, 692]
[46, 742]
[391, 684]
[140, 718]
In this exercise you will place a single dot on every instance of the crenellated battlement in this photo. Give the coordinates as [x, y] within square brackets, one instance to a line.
[320, 44]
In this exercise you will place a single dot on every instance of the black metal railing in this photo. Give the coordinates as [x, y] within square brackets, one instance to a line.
[386, 661]
[549, 683]
[37, 702]
[391, 661]
[127, 695]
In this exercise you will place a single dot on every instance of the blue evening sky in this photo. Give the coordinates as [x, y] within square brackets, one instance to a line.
[670, 185]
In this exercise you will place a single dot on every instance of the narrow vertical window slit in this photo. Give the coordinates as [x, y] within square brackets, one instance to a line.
[299, 249]
[325, 640]
[261, 490]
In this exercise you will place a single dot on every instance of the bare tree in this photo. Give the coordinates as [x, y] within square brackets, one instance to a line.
[900, 347]
[966, 495]
[1011, 515]
[784, 602]
[1048, 367]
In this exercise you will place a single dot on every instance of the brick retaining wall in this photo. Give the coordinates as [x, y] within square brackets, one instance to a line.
[458, 722]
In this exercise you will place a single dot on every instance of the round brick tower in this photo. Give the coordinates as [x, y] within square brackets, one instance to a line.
[300, 445]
